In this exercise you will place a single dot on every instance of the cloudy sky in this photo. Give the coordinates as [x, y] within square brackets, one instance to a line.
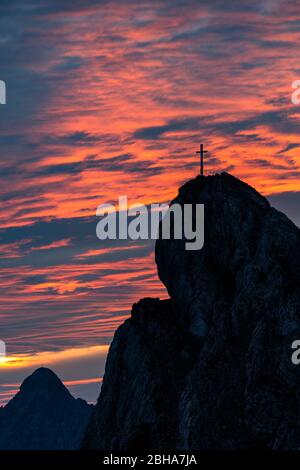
[109, 98]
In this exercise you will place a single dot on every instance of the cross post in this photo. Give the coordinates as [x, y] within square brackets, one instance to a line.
[201, 152]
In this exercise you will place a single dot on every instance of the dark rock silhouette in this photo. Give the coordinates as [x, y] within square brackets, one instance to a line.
[43, 416]
[211, 367]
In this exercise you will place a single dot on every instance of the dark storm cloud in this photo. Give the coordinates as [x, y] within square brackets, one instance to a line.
[81, 233]
[263, 7]
[290, 147]
[70, 63]
[46, 7]
[125, 162]
[155, 132]
[260, 162]
[35, 279]
[52, 230]
[79, 138]
[278, 120]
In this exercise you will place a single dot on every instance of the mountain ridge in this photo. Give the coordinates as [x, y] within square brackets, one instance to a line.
[43, 415]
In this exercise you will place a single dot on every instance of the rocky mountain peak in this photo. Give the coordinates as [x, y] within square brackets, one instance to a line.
[244, 258]
[43, 381]
[211, 366]
[43, 415]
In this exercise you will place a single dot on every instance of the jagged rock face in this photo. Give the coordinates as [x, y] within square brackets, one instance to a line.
[211, 368]
[144, 371]
[43, 416]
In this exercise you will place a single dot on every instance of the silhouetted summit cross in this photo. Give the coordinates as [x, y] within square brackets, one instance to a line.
[201, 152]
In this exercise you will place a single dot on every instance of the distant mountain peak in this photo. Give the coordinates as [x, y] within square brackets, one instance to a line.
[43, 415]
[43, 380]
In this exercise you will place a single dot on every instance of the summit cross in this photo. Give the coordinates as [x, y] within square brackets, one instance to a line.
[201, 153]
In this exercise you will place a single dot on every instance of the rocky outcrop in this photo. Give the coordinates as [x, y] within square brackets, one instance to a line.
[211, 367]
[43, 416]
